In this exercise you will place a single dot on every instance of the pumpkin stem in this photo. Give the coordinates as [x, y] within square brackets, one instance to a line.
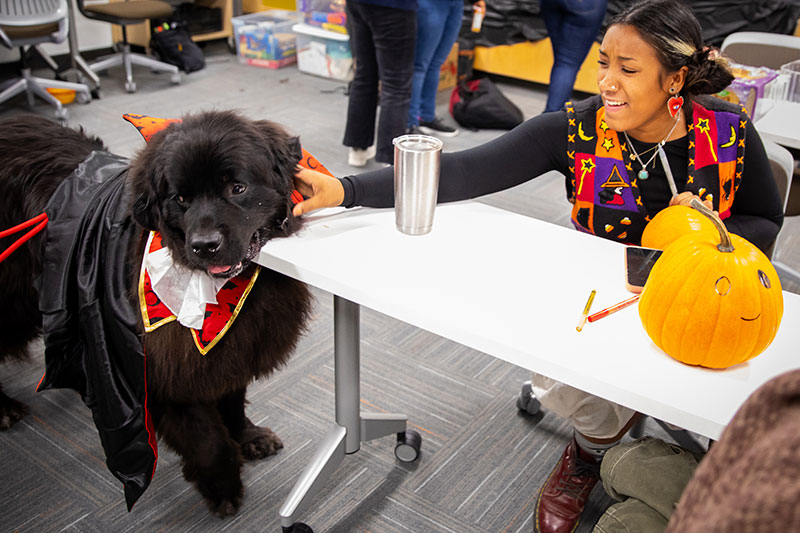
[725, 244]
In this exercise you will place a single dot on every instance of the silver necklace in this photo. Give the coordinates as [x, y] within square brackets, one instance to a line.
[644, 174]
[634, 156]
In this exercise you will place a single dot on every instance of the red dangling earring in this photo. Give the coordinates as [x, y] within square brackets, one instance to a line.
[674, 103]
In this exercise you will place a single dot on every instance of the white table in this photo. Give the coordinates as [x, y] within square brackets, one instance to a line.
[780, 123]
[512, 287]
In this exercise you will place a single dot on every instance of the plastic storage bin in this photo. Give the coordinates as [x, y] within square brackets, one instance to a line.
[265, 39]
[323, 53]
[751, 88]
[790, 77]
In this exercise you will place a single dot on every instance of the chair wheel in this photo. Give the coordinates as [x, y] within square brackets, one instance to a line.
[61, 115]
[130, 86]
[297, 527]
[176, 78]
[96, 94]
[408, 444]
[83, 98]
[526, 401]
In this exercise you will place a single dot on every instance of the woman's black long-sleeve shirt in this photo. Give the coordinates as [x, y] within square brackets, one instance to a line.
[539, 145]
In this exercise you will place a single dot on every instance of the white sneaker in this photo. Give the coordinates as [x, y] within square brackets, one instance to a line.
[358, 157]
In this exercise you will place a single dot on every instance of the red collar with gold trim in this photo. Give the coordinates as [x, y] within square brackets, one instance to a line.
[219, 316]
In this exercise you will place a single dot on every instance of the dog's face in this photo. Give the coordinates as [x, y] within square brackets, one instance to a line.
[217, 187]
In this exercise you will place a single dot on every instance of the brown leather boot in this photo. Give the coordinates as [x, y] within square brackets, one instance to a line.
[563, 495]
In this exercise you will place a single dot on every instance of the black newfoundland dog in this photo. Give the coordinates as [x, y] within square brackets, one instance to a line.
[216, 187]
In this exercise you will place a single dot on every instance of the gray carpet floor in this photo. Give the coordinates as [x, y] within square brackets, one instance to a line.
[482, 461]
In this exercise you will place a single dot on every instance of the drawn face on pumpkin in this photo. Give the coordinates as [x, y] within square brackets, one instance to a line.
[723, 288]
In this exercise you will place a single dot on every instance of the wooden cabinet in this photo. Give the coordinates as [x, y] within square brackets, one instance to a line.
[253, 6]
[139, 34]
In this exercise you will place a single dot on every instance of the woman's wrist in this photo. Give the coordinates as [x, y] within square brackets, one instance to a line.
[349, 198]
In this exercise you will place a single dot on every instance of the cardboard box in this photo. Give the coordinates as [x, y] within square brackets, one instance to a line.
[448, 75]
[323, 53]
[265, 39]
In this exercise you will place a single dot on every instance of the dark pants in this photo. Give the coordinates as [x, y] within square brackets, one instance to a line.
[572, 26]
[382, 42]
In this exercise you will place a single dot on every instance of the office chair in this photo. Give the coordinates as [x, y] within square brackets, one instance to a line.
[761, 49]
[782, 164]
[124, 14]
[770, 50]
[29, 23]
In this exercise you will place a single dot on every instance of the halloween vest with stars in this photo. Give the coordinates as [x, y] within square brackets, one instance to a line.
[605, 194]
[231, 297]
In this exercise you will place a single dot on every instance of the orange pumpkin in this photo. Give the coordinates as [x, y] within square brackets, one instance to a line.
[673, 222]
[709, 304]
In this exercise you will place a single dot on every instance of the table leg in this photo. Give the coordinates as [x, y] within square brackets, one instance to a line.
[328, 456]
[351, 427]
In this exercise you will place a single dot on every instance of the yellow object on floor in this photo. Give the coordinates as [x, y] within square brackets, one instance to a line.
[65, 96]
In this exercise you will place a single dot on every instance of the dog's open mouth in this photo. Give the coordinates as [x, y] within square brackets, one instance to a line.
[224, 270]
[257, 241]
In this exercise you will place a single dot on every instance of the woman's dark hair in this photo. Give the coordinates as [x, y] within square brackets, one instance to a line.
[671, 29]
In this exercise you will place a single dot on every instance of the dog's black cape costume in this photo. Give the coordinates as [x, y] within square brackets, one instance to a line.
[90, 327]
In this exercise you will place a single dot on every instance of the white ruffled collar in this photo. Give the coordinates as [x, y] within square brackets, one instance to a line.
[185, 292]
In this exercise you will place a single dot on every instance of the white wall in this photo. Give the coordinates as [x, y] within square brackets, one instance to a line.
[92, 35]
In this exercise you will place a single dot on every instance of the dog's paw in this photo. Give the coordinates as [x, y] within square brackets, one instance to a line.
[259, 442]
[224, 507]
[11, 412]
[222, 497]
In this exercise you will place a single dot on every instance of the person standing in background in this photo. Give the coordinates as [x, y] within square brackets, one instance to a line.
[382, 37]
[572, 26]
[438, 24]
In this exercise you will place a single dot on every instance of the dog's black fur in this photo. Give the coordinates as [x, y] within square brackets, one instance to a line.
[217, 186]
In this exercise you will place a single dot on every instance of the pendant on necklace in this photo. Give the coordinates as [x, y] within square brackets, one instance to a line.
[643, 174]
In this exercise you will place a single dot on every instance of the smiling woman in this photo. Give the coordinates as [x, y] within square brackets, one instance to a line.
[652, 124]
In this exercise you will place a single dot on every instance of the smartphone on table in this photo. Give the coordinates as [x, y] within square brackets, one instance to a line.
[638, 263]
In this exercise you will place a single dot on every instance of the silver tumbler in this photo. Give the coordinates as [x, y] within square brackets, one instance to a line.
[416, 182]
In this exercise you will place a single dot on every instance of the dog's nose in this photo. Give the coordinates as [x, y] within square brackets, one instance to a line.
[206, 244]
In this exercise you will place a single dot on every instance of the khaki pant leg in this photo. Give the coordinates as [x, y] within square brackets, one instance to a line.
[630, 516]
[591, 416]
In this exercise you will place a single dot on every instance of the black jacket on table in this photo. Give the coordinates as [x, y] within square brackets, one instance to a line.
[539, 145]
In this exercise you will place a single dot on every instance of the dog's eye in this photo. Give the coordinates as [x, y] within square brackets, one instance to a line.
[181, 200]
[238, 188]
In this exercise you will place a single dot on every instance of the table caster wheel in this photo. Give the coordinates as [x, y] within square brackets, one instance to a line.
[176, 78]
[408, 443]
[130, 86]
[526, 401]
[297, 527]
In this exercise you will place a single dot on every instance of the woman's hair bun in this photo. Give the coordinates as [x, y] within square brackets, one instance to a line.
[709, 72]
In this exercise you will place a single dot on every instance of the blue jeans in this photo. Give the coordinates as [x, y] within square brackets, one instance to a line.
[572, 26]
[382, 43]
[438, 23]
